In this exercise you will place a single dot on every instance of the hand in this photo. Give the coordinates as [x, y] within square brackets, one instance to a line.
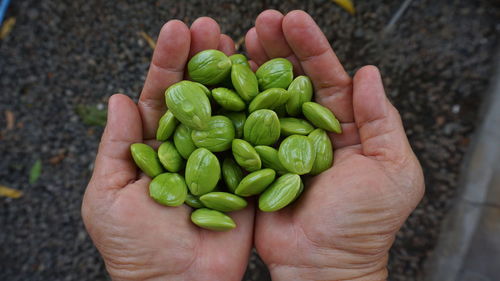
[138, 238]
[345, 221]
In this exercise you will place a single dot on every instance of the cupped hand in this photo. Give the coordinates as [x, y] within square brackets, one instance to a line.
[138, 238]
[346, 220]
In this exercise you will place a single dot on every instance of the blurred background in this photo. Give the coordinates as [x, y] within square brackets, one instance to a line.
[60, 61]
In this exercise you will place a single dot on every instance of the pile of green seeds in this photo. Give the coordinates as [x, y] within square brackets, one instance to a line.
[231, 133]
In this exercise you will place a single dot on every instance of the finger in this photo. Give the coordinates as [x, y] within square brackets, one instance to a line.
[380, 128]
[349, 136]
[205, 34]
[269, 31]
[114, 167]
[254, 49]
[253, 65]
[332, 84]
[226, 45]
[167, 68]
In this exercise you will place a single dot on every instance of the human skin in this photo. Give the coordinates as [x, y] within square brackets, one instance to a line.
[340, 229]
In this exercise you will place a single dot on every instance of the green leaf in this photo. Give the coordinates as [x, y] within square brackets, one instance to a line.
[35, 171]
[91, 115]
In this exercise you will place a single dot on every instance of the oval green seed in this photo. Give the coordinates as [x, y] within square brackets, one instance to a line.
[228, 99]
[189, 104]
[281, 193]
[183, 142]
[166, 126]
[231, 173]
[256, 182]
[244, 81]
[170, 157]
[223, 201]
[146, 158]
[245, 155]
[270, 98]
[238, 119]
[168, 189]
[217, 137]
[205, 90]
[295, 126]
[275, 73]
[324, 152]
[212, 220]
[297, 154]
[209, 67]
[193, 201]
[301, 91]
[239, 59]
[262, 127]
[270, 159]
[202, 171]
[321, 117]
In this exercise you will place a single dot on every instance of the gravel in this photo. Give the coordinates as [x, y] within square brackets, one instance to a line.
[436, 65]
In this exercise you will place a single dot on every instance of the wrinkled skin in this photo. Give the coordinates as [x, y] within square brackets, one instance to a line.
[340, 229]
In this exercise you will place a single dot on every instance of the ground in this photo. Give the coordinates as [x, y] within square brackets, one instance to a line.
[436, 64]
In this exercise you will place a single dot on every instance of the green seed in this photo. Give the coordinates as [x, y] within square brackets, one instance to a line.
[324, 152]
[209, 67]
[205, 90]
[166, 126]
[245, 155]
[212, 220]
[238, 119]
[202, 171]
[295, 126]
[276, 73]
[223, 201]
[297, 154]
[256, 182]
[321, 117]
[193, 201]
[189, 104]
[239, 59]
[270, 159]
[231, 173]
[170, 157]
[217, 137]
[146, 159]
[262, 127]
[183, 142]
[270, 98]
[280, 111]
[281, 193]
[301, 91]
[228, 99]
[168, 189]
[244, 81]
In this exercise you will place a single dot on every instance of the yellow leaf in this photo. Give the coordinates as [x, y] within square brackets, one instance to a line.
[7, 27]
[148, 39]
[10, 192]
[347, 5]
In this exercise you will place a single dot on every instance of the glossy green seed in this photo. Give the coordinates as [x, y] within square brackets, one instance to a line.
[212, 220]
[223, 201]
[275, 73]
[183, 142]
[324, 152]
[256, 182]
[239, 59]
[168, 189]
[189, 104]
[228, 99]
[231, 173]
[295, 126]
[202, 171]
[209, 67]
[146, 159]
[262, 127]
[205, 90]
[217, 137]
[269, 158]
[193, 201]
[297, 154]
[170, 157]
[166, 126]
[301, 91]
[244, 81]
[281, 193]
[245, 155]
[238, 119]
[321, 117]
[270, 98]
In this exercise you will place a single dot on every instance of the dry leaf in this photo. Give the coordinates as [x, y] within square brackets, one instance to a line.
[148, 39]
[9, 116]
[7, 27]
[238, 43]
[10, 192]
[347, 5]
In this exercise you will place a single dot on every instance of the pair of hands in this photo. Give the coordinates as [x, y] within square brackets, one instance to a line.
[345, 221]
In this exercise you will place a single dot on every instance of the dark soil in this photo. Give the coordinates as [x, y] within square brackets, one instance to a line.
[61, 54]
